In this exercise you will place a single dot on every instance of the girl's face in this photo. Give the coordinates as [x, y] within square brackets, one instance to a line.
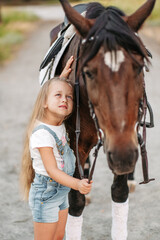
[59, 103]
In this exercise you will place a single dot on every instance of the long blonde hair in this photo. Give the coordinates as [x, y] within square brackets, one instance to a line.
[27, 172]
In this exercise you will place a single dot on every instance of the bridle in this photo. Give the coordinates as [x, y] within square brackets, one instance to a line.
[143, 107]
[100, 134]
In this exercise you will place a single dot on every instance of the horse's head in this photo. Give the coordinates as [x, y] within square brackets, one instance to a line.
[113, 58]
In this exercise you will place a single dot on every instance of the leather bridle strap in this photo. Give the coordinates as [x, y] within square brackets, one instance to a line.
[142, 141]
[77, 131]
[95, 154]
[144, 161]
[99, 134]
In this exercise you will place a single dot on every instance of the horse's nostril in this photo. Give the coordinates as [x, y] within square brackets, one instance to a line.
[136, 153]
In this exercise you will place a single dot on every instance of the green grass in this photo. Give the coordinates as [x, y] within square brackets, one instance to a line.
[17, 16]
[12, 32]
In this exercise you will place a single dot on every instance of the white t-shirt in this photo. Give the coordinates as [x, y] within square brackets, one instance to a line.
[42, 138]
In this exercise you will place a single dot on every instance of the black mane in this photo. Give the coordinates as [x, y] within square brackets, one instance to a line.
[111, 31]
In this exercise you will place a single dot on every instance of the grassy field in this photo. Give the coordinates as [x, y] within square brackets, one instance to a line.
[13, 30]
[15, 25]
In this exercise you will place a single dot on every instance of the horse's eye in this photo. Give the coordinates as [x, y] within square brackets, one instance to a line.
[89, 74]
[139, 69]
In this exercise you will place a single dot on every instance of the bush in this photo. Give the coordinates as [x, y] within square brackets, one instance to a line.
[12, 31]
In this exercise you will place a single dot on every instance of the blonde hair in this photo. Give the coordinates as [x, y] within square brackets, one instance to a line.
[27, 172]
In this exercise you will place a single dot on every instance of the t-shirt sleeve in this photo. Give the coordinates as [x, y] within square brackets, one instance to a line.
[42, 138]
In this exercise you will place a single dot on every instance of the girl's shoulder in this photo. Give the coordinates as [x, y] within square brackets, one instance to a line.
[48, 135]
[57, 129]
[44, 129]
[41, 137]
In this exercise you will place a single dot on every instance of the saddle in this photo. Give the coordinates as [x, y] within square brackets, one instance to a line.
[53, 56]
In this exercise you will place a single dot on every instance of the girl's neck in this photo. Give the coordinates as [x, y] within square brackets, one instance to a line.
[54, 122]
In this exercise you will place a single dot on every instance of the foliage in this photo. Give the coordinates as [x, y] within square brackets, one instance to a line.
[17, 16]
[129, 7]
[12, 31]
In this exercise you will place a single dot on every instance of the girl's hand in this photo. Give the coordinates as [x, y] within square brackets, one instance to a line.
[84, 187]
[66, 71]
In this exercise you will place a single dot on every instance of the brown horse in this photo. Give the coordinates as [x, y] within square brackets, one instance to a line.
[111, 55]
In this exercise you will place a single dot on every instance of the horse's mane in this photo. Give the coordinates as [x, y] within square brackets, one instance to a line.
[111, 30]
[95, 9]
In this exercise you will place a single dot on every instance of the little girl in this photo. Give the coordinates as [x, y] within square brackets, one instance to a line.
[47, 169]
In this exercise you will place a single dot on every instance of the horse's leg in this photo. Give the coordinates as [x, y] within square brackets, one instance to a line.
[131, 182]
[75, 217]
[76, 203]
[119, 191]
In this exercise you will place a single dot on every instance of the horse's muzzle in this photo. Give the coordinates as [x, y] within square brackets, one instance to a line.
[122, 162]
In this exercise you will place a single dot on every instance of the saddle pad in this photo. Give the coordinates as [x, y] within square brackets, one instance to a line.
[53, 56]
[49, 71]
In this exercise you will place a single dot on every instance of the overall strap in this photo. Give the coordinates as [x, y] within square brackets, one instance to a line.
[58, 142]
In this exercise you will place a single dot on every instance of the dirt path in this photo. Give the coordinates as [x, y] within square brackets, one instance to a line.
[18, 89]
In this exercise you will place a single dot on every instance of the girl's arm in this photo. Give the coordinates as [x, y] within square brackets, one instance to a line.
[59, 176]
[67, 70]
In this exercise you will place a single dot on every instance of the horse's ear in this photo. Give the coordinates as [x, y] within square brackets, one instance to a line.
[81, 24]
[136, 20]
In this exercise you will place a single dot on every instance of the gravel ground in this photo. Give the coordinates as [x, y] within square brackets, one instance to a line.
[18, 89]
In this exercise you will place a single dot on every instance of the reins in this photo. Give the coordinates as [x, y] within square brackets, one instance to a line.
[77, 131]
[100, 136]
[141, 140]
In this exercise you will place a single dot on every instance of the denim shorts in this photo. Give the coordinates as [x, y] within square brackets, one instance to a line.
[47, 198]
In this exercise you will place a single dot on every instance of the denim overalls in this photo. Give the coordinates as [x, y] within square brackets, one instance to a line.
[46, 196]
